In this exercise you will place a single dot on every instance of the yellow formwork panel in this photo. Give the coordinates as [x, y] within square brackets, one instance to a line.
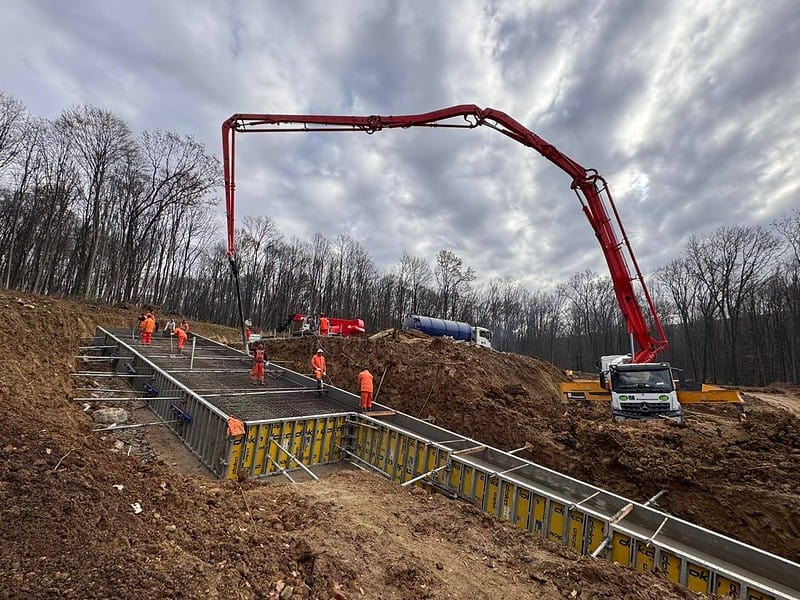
[260, 467]
[698, 578]
[671, 565]
[555, 529]
[433, 458]
[273, 451]
[362, 442]
[645, 557]
[508, 491]
[392, 448]
[286, 438]
[317, 435]
[575, 530]
[309, 435]
[404, 457]
[595, 534]
[296, 445]
[539, 504]
[311, 441]
[467, 474]
[621, 548]
[398, 458]
[421, 459]
[728, 587]
[236, 454]
[335, 431]
[381, 448]
[456, 475]
[480, 486]
[492, 491]
[410, 462]
[249, 449]
[754, 594]
[523, 517]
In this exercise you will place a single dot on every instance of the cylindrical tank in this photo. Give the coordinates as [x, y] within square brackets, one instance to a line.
[439, 327]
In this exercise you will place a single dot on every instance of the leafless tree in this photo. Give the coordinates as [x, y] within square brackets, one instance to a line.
[100, 140]
[12, 123]
[453, 280]
[731, 264]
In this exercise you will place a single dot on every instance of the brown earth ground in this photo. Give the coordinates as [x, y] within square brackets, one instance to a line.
[67, 532]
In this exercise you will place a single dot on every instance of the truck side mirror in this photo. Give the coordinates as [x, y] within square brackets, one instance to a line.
[603, 379]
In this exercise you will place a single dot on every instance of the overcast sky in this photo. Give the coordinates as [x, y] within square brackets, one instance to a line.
[690, 110]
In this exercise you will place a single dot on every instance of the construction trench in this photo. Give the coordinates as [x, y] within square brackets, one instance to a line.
[289, 428]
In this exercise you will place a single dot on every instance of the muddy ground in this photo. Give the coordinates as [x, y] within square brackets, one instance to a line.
[69, 531]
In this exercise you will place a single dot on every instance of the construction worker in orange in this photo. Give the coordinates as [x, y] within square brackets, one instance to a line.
[148, 327]
[185, 325]
[259, 358]
[320, 367]
[182, 336]
[323, 324]
[365, 381]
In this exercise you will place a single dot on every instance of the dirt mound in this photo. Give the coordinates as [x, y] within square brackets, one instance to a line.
[738, 479]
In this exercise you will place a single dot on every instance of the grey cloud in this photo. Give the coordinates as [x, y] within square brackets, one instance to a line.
[700, 99]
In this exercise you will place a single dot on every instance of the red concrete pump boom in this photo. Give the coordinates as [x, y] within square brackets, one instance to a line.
[591, 189]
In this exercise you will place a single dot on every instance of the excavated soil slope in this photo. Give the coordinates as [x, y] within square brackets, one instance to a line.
[69, 529]
[739, 479]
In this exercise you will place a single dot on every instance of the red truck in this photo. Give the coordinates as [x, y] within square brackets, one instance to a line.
[309, 325]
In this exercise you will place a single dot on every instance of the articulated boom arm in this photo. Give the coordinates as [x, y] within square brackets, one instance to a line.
[590, 187]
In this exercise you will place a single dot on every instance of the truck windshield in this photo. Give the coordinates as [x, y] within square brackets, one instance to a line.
[657, 380]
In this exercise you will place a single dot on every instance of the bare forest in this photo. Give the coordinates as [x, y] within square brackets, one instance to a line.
[90, 209]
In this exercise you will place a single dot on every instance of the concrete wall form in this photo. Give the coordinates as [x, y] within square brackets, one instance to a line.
[581, 517]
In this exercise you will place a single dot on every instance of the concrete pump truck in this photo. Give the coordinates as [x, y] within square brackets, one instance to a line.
[637, 386]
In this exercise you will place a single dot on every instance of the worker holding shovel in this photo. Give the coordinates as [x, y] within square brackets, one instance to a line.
[365, 381]
[319, 367]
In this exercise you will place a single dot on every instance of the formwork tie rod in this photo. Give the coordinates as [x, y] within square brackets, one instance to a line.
[280, 469]
[296, 460]
[527, 446]
[577, 504]
[115, 427]
[372, 467]
[424, 475]
[657, 531]
[124, 375]
[656, 497]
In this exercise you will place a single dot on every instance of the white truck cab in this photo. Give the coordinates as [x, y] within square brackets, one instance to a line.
[482, 337]
[640, 391]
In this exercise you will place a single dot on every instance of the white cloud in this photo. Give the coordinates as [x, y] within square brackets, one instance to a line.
[690, 109]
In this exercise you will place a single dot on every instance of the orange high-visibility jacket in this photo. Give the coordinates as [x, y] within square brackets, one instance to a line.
[365, 381]
[323, 325]
[318, 363]
[181, 335]
[149, 324]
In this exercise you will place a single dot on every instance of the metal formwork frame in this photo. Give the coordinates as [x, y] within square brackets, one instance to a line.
[577, 515]
[573, 513]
